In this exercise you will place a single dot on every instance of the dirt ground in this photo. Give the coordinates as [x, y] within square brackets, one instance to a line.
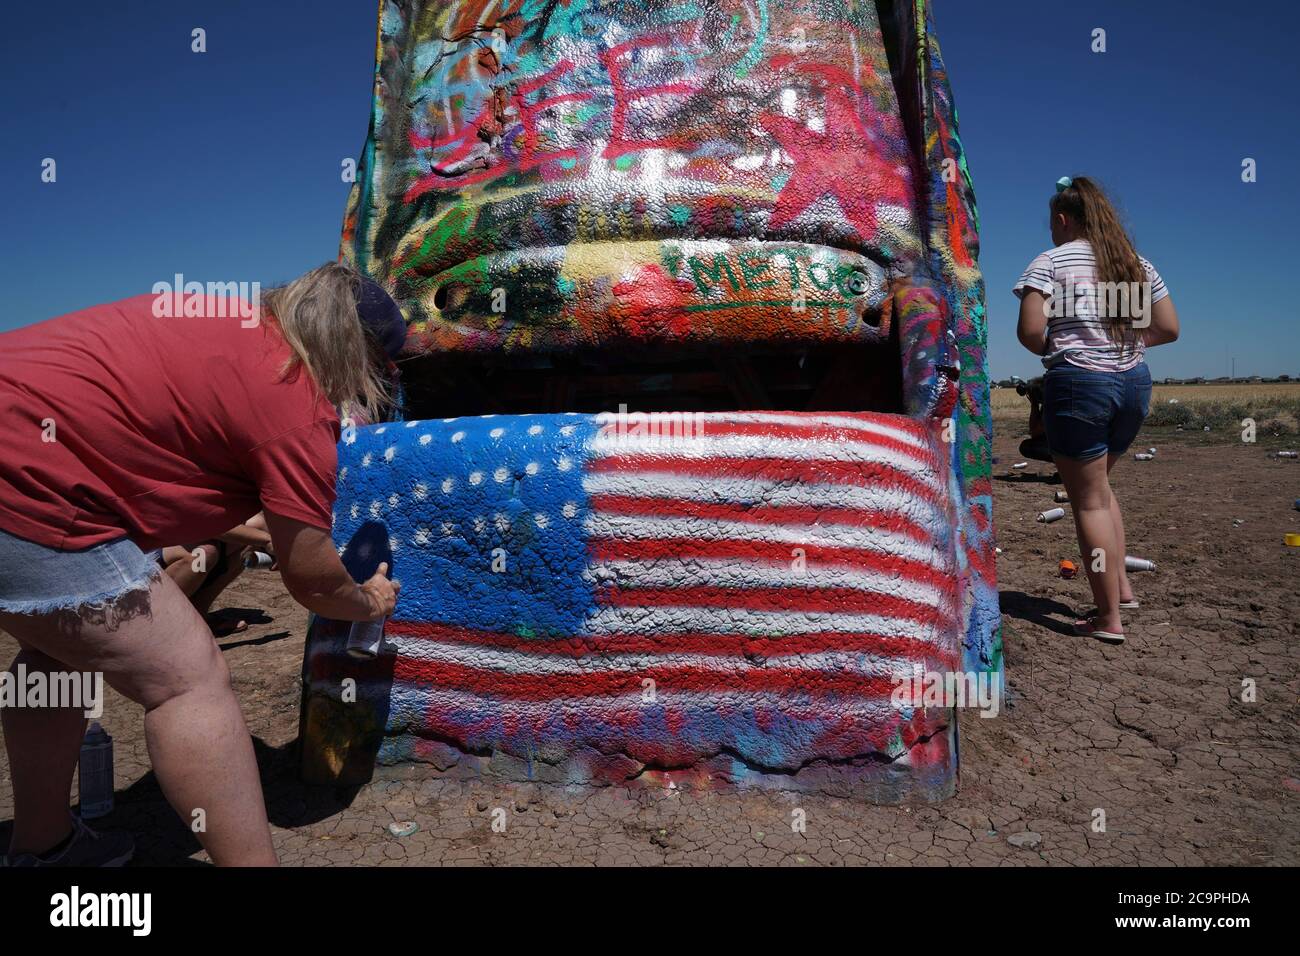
[1153, 733]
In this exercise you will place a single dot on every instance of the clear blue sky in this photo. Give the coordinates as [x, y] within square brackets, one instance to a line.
[226, 165]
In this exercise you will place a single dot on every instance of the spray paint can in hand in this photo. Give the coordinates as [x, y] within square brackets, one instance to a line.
[95, 773]
[365, 638]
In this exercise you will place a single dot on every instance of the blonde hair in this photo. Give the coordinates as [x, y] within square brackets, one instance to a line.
[316, 314]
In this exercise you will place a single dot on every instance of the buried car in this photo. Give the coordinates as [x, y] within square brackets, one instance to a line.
[751, 223]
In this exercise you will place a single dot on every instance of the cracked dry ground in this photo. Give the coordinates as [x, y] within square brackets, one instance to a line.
[1154, 732]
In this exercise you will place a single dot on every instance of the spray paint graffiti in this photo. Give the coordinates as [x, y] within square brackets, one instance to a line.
[546, 176]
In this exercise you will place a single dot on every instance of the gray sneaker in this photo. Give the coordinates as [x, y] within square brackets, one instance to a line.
[86, 849]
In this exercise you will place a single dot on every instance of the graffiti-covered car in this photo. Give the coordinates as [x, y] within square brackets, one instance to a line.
[693, 484]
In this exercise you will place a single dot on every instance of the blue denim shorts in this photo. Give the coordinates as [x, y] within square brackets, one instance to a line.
[38, 580]
[1089, 413]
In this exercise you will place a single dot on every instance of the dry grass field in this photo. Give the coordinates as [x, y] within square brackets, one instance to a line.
[1274, 406]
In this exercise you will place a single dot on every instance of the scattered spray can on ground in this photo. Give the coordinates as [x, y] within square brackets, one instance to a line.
[1138, 564]
[95, 773]
[1143, 456]
[1047, 517]
[259, 561]
[1061, 497]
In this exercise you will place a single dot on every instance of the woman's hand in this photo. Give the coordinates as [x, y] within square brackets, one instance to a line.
[382, 593]
[316, 578]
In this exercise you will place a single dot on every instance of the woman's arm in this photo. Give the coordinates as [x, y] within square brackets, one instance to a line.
[249, 535]
[1164, 324]
[1032, 327]
[317, 580]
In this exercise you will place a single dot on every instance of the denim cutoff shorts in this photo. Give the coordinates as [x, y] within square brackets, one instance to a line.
[38, 580]
[1089, 413]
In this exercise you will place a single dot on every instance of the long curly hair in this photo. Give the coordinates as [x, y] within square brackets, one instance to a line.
[1086, 204]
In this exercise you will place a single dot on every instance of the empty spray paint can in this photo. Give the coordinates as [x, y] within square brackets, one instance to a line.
[95, 773]
[259, 561]
[1288, 454]
[1047, 517]
[1143, 456]
[365, 638]
[1151, 452]
[1061, 497]
[1138, 564]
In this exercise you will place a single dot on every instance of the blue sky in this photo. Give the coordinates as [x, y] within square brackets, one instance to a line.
[226, 165]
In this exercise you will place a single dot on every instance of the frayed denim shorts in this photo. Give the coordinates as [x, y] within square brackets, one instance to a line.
[1088, 414]
[38, 580]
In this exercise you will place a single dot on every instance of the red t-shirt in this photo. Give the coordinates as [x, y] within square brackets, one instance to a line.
[165, 430]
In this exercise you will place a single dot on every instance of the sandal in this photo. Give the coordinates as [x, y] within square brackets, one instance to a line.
[1132, 605]
[1085, 628]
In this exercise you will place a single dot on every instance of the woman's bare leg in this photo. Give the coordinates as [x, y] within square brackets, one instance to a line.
[157, 651]
[1090, 499]
[42, 775]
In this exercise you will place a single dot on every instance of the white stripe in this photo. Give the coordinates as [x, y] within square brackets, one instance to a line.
[506, 661]
[735, 620]
[868, 426]
[767, 491]
[631, 527]
[759, 446]
[671, 573]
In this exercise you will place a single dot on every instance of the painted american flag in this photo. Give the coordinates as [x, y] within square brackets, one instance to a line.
[752, 583]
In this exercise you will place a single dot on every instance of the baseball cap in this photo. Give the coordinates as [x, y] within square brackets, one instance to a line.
[381, 316]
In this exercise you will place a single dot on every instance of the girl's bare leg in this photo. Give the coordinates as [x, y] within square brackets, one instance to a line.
[156, 650]
[1125, 588]
[1090, 499]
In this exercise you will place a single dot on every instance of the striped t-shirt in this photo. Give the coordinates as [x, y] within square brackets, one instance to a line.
[1076, 332]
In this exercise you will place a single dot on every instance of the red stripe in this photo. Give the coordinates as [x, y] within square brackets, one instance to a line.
[704, 644]
[811, 600]
[772, 552]
[818, 430]
[494, 683]
[861, 473]
[801, 515]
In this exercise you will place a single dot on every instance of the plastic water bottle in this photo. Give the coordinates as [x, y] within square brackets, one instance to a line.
[95, 773]
[365, 638]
